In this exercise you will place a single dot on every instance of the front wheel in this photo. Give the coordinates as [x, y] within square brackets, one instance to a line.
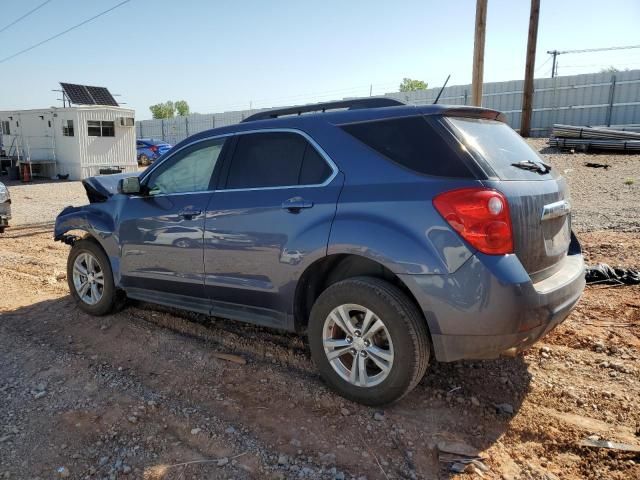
[368, 340]
[90, 278]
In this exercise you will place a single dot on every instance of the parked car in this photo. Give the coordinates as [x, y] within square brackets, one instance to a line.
[5, 207]
[391, 235]
[149, 150]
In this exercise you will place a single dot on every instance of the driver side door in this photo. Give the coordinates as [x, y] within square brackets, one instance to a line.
[161, 232]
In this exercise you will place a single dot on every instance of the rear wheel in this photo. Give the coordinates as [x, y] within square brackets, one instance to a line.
[90, 278]
[368, 340]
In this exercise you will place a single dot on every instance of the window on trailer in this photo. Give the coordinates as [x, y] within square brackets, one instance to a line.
[67, 128]
[97, 128]
[5, 127]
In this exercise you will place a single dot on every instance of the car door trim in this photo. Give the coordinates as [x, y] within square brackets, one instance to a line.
[306, 136]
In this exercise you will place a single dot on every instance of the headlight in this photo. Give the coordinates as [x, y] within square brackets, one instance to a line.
[4, 193]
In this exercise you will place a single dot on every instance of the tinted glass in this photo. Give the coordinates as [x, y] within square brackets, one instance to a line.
[93, 128]
[315, 169]
[498, 145]
[413, 143]
[188, 171]
[266, 160]
[108, 129]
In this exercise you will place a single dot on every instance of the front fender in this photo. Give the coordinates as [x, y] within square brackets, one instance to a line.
[97, 223]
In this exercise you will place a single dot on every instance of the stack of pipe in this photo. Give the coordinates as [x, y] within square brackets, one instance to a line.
[586, 138]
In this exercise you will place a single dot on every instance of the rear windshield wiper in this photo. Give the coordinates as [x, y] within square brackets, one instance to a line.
[541, 168]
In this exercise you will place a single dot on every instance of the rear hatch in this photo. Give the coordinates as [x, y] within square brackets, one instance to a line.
[538, 197]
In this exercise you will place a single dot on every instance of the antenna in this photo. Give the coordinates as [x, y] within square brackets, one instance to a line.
[442, 89]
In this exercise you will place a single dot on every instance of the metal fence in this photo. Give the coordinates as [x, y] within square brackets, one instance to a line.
[597, 99]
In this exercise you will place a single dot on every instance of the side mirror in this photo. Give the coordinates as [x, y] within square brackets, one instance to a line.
[129, 185]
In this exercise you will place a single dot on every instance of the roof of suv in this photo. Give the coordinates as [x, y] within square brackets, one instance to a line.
[339, 117]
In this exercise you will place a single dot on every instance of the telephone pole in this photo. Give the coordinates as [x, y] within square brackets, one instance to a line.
[478, 53]
[527, 96]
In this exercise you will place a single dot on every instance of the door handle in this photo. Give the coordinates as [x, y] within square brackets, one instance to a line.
[295, 204]
[189, 213]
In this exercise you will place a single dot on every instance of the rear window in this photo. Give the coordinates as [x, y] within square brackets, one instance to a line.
[413, 143]
[498, 145]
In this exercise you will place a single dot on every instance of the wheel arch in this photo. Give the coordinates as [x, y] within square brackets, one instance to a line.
[96, 226]
[331, 269]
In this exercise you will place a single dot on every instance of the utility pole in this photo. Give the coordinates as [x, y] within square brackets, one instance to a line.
[527, 95]
[555, 54]
[478, 53]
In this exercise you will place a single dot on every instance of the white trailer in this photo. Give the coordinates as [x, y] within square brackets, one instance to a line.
[79, 141]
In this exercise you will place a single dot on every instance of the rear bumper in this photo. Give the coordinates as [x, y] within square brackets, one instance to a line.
[491, 307]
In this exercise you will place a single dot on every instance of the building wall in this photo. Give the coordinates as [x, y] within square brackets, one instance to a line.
[106, 152]
[40, 134]
[589, 99]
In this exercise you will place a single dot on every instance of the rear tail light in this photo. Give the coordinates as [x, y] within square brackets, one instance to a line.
[480, 216]
[153, 148]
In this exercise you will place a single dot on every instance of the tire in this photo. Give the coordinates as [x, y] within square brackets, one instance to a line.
[108, 299]
[144, 160]
[403, 339]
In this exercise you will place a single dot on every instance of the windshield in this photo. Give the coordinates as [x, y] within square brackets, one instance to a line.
[498, 145]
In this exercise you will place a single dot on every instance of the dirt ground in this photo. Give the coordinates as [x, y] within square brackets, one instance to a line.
[144, 394]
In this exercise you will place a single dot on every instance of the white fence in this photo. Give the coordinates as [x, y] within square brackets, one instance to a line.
[609, 99]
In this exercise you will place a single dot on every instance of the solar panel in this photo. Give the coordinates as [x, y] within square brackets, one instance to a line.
[102, 96]
[77, 94]
[88, 95]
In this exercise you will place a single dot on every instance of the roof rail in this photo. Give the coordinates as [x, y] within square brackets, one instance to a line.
[353, 104]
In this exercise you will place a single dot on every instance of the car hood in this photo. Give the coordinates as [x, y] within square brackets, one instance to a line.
[100, 188]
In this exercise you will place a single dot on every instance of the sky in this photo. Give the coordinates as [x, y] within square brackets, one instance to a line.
[223, 55]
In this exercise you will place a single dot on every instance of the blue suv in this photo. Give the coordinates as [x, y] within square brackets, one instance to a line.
[390, 235]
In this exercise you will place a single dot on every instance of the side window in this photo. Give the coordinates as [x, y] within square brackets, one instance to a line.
[275, 159]
[413, 143]
[97, 128]
[315, 169]
[67, 128]
[189, 170]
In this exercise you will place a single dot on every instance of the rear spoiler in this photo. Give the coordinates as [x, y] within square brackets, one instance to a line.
[475, 112]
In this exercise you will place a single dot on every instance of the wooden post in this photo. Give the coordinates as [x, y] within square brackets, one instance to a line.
[527, 94]
[478, 53]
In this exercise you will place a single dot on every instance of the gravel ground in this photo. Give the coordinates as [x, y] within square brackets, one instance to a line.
[615, 207]
[41, 201]
[143, 392]
[603, 198]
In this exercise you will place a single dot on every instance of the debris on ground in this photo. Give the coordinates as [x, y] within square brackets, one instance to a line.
[623, 447]
[597, 165]
[605, 274]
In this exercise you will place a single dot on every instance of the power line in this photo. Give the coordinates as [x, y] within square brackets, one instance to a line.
[25, 15]
[63, 32]
[604, 49]
[543, 63]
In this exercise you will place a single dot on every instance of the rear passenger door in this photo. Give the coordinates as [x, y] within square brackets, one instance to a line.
[268, 220]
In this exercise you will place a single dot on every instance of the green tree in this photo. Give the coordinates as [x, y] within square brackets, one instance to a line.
[163, 110]
[410, 85]
[182, 107]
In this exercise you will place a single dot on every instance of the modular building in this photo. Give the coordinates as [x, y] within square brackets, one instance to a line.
[78, 141]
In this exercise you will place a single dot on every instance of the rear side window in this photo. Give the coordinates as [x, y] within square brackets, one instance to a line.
[275, 159]
[413, 143]
[315, 169]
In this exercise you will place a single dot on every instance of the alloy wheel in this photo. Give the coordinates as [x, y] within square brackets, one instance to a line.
[88, 278]
[358, 345]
